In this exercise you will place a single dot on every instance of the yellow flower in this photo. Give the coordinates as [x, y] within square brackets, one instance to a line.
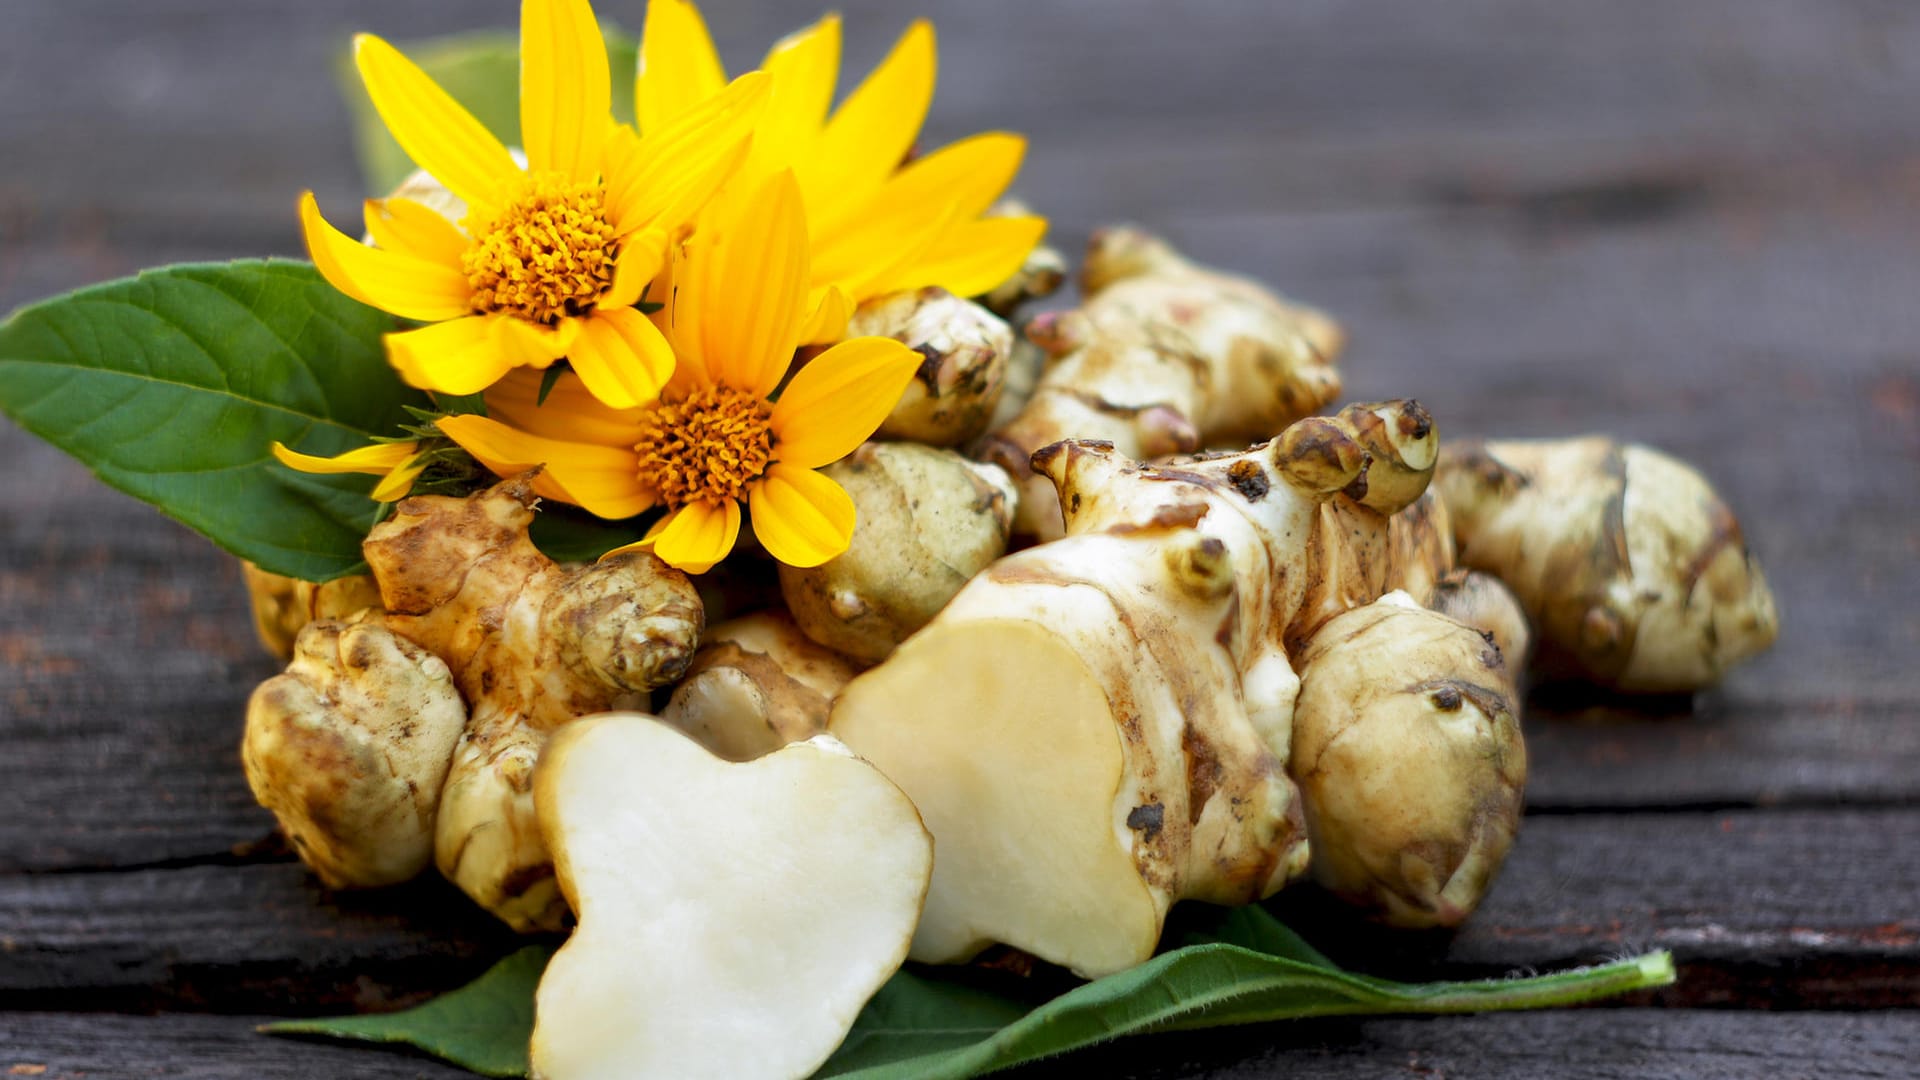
[550, 259]
[393, 462]
[717, 435]
[877, 225]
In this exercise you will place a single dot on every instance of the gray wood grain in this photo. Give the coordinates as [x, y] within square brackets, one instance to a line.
[1773, 909]
[1591, 1044]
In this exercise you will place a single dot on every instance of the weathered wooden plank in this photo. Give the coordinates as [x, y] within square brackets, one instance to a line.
[247, 937]
[1590, 1043]
[1784, 908]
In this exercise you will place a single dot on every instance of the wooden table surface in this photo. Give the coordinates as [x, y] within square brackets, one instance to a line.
[1693, 223]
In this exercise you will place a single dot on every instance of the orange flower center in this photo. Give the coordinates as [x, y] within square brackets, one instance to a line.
[548, 253]
[706, 447]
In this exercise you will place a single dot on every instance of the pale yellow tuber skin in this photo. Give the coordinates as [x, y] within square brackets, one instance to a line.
[349, 749]
[282, 606]
[1164, 357]
[528, 644]
[1632, 569]
[1408, 754]
[532, 646]
[927, 521]
[756, 685]
[1096, 728]
[965, 347]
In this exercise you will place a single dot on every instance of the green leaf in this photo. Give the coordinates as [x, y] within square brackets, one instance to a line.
[484, 1026]
[568, 534]
[172, 386]
[482, 71]
[1245, 968]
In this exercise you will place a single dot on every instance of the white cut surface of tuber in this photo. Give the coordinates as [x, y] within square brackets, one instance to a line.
[734, 917]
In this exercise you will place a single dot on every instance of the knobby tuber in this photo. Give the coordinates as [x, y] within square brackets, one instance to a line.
[349, 749]
[1407, 751]
[530, 646]
[1163, 357]
[756, 685]
[965, 349]
[1634, 572]
[1097, 727]
[734, 918]
[927, 520]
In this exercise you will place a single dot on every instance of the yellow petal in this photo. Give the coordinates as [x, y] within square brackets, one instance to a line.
[437, 132]
[415, 229]
[970, 258]
[401, 284]
[804, 67]
[861, 260]
[378, 459]
[838, 399]
[397, 483]
[969, 176]
[465, 356]
[753, 291]
[801, 517]
[604, 480]
[698, 535]
[621, 357]
[640, 259]
[665, 177]
[565, 92]
[569, 412]
[678, 65]
[871, 132]
[827, 323]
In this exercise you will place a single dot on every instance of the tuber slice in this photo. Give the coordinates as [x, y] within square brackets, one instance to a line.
[734, 918]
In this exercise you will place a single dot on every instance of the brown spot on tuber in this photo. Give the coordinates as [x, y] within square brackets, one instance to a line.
[1249, 479]
[1147, 820]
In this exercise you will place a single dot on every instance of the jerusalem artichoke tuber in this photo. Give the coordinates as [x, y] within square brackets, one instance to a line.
[965, 347]
[1633, 570]
[283, 605]
[927, 521]
[1164, 357]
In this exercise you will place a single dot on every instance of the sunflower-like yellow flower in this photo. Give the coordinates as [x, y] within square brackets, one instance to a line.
[878, 225]
[551, 258]
[717, 435]
[396, 463]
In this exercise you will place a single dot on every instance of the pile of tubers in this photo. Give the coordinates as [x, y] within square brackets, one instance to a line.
[1089, 654]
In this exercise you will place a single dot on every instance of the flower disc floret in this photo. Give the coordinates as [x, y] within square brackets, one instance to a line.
[707, 447]
[546, 254]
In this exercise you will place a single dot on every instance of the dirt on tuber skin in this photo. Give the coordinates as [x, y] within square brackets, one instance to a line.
[927, 520]
[1163, 357]
[1633, 570]
[756, 685]
[530, 646]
